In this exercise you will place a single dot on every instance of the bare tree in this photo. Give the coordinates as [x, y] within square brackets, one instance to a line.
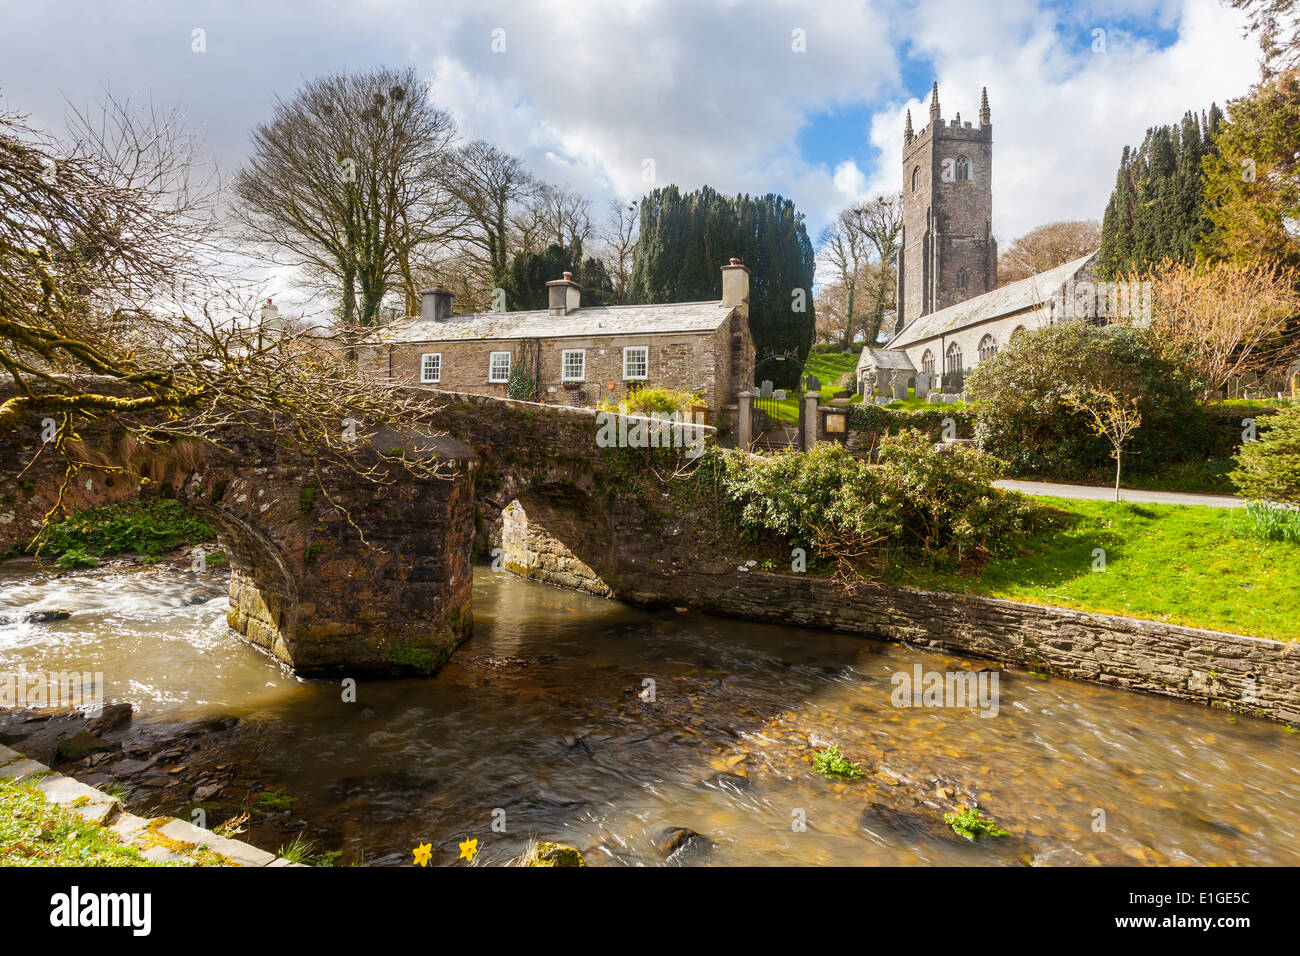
[1225, 320]
[878, 226]
[111, 310]
[843, 248]
[1047, 247]
[491, 187]
[348, 180]
[565, 216]
[621, 230]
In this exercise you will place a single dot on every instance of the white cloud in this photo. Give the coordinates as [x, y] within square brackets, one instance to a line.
[712, 92]
[1062, 118]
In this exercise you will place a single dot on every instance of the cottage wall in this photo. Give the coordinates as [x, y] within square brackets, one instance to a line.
[695, 361]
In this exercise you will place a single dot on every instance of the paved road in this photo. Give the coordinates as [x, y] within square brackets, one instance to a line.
[1102, 493]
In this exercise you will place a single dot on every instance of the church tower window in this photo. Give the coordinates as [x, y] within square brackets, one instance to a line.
[916, 177]
[962, 169]
[961, 280]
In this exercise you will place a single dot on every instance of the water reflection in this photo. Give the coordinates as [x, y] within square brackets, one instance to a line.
[543, 716]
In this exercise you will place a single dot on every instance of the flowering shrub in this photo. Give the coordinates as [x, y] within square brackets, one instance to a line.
[654, 400]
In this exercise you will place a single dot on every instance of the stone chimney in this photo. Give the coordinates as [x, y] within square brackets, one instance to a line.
[565, 295]
[735, 285]
[435, 304]
[271, 321]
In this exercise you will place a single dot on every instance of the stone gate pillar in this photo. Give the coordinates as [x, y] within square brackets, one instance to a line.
[744, 420]
[810, 420]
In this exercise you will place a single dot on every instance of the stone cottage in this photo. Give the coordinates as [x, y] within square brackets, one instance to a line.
[577, 355]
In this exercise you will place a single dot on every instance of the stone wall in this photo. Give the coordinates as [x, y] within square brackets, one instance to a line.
[679, 558]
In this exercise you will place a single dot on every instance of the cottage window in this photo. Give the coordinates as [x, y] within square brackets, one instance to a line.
[499, 367]
[573, 365]
[431, 367]
[636, 363]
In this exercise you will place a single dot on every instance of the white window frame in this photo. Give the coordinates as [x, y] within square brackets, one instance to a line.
[645, 350]
[564, 365]
[424, 368]
[492, 361]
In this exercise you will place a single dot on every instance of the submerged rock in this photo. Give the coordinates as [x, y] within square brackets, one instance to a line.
[44, 617]
[82, 744]
[552, 854]
[680, 844]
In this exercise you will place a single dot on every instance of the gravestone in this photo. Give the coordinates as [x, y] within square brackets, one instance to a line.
[779, 394]
[883, 377]
[922, 383]
[812, 384]
[899, 386]
[934, 398]
[765, 390]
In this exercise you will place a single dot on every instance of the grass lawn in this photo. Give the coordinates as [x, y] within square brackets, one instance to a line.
[1209, 476]
[1175, 563]
[34, 832]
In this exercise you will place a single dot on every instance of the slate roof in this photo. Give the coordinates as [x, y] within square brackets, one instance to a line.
[885, 358]
[583, 322]
[1029, 293]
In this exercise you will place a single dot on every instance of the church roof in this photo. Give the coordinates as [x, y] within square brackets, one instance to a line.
[1030, 293]
[885, 358]
[584, 322]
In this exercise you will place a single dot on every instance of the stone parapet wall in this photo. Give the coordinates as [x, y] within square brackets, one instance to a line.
[1249, 675]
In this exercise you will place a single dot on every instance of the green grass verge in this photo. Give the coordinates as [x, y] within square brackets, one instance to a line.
[34, 832]
[1183, 564]
[1207, 477]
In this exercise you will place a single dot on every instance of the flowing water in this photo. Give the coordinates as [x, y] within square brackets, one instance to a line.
[544, 724]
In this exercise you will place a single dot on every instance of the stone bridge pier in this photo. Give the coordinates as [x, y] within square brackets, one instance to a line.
[331, 573]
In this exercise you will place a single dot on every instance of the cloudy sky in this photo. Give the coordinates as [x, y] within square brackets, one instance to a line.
[804, 99]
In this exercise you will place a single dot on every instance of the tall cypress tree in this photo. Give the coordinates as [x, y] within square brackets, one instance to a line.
[684, 241]
[526, 278]
[1156, 209]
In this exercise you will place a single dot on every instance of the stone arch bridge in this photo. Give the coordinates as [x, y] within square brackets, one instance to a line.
[380, 584]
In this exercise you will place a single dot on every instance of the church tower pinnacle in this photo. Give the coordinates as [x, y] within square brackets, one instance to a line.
[985, 115]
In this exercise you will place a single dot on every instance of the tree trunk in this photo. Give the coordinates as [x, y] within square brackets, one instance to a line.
[1117, 464]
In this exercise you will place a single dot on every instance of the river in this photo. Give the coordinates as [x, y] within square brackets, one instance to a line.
[544, 725]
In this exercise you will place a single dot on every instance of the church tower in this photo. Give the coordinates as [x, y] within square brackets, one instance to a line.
[947, 252]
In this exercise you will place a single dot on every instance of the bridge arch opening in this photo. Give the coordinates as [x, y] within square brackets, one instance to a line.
[263, 589]
[558, 534]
